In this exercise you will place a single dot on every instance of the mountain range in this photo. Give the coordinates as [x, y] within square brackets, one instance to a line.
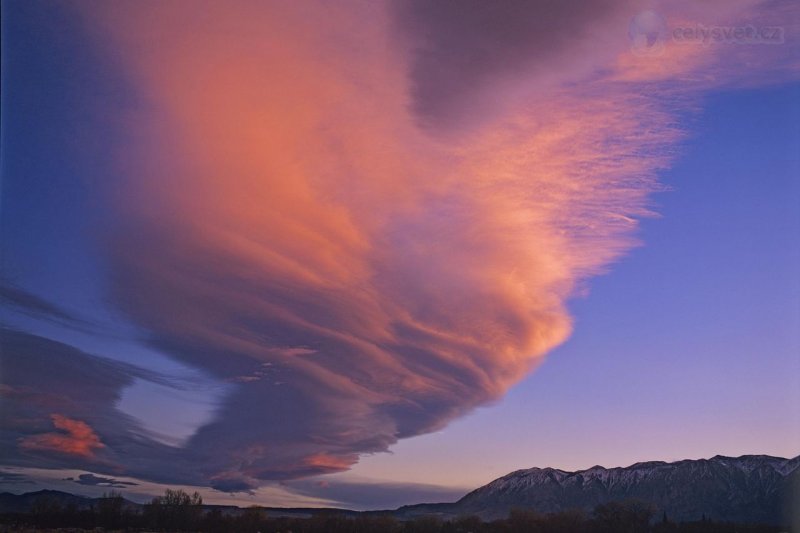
[747, 489]
[751, 488]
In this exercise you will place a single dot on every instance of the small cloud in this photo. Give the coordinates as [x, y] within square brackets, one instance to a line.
[35, 306]
[362, 493]
[291, 351]
[323, 462]
[13, 478]
[246, 379]
[232, 484]
[75, 438]
[97, 481]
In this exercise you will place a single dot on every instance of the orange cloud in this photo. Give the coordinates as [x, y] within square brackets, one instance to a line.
[285, 203]
[330, 463]
[76, 438]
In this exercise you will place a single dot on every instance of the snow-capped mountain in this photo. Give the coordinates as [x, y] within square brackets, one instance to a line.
[751, 488]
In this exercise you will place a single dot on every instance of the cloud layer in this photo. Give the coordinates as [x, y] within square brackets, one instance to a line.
[366, 218]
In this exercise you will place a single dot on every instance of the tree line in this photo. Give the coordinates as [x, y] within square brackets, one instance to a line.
[177, 511]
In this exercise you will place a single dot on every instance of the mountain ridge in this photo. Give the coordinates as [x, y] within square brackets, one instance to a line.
[750, 488]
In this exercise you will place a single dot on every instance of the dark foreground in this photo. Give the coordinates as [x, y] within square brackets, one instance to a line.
[623, 517]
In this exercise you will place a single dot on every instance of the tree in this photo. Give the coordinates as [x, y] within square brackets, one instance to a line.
[46, 511]
[175, 510]
[110, 510]
[524, 520]
[631, 516]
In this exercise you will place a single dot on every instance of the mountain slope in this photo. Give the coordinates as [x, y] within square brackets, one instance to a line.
[22, 503]
[751, 488]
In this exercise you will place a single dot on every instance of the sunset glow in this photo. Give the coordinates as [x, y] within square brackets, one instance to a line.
[296, 235]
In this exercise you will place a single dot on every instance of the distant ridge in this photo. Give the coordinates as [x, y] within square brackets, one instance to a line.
[751, 488]
[759, 489]
[23, 503]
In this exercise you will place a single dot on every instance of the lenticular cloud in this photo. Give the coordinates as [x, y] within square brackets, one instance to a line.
[365, 227]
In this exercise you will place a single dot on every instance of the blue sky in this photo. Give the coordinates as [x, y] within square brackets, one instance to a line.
[689, 346]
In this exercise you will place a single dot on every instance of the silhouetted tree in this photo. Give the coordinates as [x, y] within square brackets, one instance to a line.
[110, 510]
[424, 524]
[46, 511]
[630, 516]
[523, 520]
[467, 524]
[176, 510]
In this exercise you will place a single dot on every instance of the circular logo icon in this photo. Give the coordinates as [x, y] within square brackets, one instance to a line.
[648, 33]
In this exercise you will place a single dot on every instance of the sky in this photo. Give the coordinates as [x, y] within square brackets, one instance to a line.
[366, 254]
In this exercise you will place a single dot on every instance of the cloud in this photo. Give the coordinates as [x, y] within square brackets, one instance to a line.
[49, 385]
[472, 55]
[354, 494]
[12, 478]
[75, 438]
[92, 480]
[363, 248]
[35, 306]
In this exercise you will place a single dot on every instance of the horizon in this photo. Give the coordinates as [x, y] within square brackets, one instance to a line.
[369, 253]
[119, 489]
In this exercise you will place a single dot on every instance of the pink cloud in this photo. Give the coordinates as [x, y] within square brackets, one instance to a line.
[290, 199]
[74, 438]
